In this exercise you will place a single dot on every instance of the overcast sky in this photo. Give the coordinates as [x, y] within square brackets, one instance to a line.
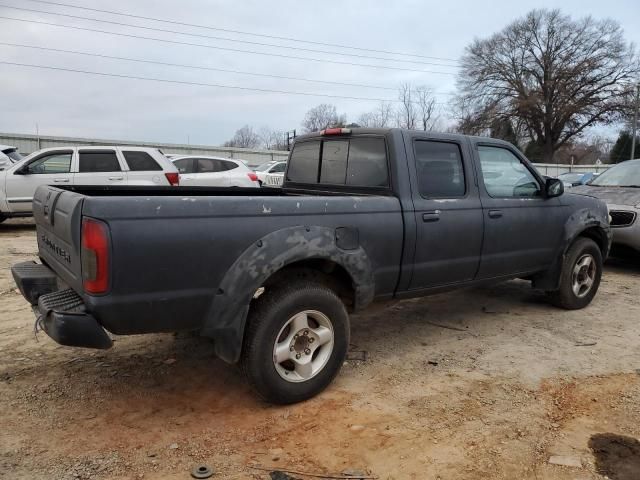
[73, 104]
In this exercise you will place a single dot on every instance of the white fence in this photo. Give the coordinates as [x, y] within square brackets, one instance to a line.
[553, 170]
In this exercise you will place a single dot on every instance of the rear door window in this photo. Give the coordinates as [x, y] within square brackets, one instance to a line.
[95, 161]
[210, 165]
[141, 161]
[185, 165]
[439, 169]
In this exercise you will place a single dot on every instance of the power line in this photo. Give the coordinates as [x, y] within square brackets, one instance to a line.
[208, 27]
[215, 69]
[129, 35]
[211, 37]
[199, 84]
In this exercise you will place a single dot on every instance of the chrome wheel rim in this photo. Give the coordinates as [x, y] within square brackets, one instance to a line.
[303, 346]
[584, 275]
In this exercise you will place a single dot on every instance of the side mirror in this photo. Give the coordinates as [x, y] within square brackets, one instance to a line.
[24, 170]
[553, 187]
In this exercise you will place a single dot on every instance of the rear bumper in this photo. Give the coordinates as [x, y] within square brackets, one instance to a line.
[60, 313]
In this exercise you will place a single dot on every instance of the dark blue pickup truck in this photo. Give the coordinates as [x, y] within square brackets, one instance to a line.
[271, 275]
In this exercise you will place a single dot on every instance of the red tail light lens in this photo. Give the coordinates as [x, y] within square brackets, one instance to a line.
[253, 176]
[335, 131]
[173, 178]
[95, 256]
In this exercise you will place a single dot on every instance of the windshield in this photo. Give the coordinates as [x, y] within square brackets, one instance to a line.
[13, 155]
[570, 177]
[264, 167]
[625, 174]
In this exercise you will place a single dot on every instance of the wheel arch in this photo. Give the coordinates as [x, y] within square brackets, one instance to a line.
[581, 224]
[284, 255]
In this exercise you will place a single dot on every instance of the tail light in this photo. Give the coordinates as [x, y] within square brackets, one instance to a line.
[173, 178]
[252, 176]
[95, 256]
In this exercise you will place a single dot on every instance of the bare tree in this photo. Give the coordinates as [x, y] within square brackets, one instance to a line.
[273, 139]
[381, 117]
[244, 137]
[407, 113]
[426, 104]
[557, 75]
[321, 117]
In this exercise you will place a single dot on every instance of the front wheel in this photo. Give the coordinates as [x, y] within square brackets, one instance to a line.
[580, 277]
[295, 342]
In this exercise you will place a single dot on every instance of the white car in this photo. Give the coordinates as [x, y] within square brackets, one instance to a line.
[269, 167]
[80, 166]
[203, 171]
[8, 156]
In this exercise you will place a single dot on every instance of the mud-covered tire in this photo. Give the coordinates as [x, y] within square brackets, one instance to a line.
[580, 276]
[271, 325]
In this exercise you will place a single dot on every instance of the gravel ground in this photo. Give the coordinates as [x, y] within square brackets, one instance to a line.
[488, 383]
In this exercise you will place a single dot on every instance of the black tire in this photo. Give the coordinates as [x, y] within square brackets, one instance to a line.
[565, 297]
[268, 315]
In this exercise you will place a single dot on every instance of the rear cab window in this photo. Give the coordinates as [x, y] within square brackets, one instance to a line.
[359, 161]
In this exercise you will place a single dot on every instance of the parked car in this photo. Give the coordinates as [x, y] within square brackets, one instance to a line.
[117, 166]
[573, 179]
[271, 274]
[273, 179]
[214, 172]
[270, 167]
[8, 156]
[619, 187]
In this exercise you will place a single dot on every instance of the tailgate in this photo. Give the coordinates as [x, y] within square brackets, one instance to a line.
[58, 216]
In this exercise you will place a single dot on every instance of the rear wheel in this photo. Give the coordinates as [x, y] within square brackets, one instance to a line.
[295, 342]
[580, 277]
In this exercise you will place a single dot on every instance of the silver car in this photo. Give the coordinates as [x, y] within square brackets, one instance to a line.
[619, 188]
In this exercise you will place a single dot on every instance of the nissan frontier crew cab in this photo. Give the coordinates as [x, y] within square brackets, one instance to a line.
[271, 275]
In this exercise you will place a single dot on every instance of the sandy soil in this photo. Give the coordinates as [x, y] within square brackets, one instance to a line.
[517, 383]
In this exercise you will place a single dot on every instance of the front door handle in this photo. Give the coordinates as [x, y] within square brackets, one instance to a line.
[431, 216]
[61, 180]
[495, 213]
[116, 178]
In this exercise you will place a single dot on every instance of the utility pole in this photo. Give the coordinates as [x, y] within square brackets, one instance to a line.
[635, 122]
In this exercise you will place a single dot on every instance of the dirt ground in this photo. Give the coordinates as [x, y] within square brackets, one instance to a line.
[512, 383]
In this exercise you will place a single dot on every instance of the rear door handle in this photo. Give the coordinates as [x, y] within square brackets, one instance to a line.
[116, 178]
[432, 216]
[61, 180]
[495, 213]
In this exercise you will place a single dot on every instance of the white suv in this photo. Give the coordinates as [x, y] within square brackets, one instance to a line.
[204, 171]
[81, 166]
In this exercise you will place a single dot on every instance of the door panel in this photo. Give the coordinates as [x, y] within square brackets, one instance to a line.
[447, 213]
[522, 228]
[99, 167]
[52, 168]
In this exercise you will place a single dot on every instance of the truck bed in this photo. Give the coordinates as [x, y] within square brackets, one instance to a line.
[173, 249]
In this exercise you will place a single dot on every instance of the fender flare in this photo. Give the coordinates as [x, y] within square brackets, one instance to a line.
[225, 322]
[579, 222]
